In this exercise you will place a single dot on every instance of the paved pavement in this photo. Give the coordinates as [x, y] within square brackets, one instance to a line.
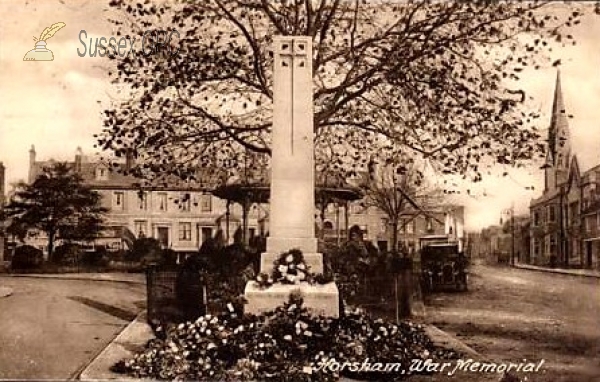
[5, 291]
[571, 272]
[51, 328]
[129, 278]
[512, 314]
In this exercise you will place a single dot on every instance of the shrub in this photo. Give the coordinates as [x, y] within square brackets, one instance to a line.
[147, 249]
[67, 254]
[27, 257]
[168, 258]
[96, 258]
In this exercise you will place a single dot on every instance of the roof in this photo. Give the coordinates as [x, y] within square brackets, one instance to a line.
[116, 177]
[546, 197]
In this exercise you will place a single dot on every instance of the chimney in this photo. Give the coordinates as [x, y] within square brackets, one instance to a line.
[129, 160]
[78, 158]
[32, 173]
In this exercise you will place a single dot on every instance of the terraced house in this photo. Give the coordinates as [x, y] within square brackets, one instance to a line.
[181, 215]
[565, 219]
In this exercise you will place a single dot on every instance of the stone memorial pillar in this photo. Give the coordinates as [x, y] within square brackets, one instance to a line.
[292, 200]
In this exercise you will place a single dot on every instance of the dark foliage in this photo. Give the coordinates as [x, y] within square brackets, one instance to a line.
[145, 248]
[67, 254]
[27, 257]
[58, 204]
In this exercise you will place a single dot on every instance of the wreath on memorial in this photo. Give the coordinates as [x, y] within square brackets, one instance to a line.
[290, 268]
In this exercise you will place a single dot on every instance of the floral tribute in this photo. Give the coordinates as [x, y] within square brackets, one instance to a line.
[286, 344]
[290, 268]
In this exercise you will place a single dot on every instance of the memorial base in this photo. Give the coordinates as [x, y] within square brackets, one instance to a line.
[319, 299]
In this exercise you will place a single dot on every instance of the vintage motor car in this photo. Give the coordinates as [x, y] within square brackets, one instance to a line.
[443, 266]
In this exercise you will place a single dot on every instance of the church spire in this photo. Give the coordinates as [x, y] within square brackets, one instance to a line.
[559, 141]
[559, 136]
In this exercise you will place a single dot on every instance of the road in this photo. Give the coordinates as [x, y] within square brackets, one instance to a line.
[50, 329]
[513, 314]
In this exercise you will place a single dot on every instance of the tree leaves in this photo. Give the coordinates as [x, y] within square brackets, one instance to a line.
[428, 77]
[57, 203]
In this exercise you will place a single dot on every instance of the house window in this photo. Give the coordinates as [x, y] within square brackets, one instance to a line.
[402, 226]
[536, 247]
[141, 228]
[185, 231]
[185, 203]
[101, 174]
[162, 201]
[410, 227]
[119, 200]
[429, 224]
[553, 245]
[536, 218]
[586, 222]
[143, 201]
[383, 225]
[551, 214]
[206, 203]
[573, 212]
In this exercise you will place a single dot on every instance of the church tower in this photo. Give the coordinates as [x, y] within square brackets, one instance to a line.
[558, 156]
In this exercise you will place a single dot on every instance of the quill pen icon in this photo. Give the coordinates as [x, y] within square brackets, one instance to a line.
[41, 53]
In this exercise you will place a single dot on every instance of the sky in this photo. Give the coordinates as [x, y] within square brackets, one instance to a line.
[57, 105]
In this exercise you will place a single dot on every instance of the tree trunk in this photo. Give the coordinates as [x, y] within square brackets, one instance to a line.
[394, 236]
[51, 235]
[322, 218]
[246, 204]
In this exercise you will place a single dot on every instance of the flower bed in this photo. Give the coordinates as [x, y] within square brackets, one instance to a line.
[287, 344]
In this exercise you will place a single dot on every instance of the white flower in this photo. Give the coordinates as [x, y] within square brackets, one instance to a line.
[282, 268]
[292, 266]
[301, 276]
[287, 337]
[291, 278]
[301, 266]
[302, 324]
[289, 258]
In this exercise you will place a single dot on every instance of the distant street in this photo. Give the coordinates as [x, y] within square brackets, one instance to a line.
[510, 314]
[49, 328]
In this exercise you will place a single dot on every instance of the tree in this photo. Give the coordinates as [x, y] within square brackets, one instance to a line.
[438, 78]
[58, 204]
[396, 187]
